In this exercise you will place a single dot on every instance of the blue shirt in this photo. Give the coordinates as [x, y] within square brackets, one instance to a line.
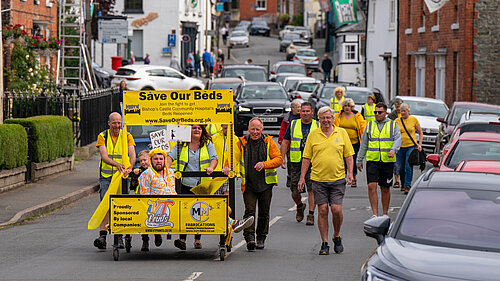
[306, 128]
[193, 162]
[212, 61]
[191, 57]
[206, 56]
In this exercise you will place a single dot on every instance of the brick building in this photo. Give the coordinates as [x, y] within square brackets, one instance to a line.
[265, 9]
[443, 54]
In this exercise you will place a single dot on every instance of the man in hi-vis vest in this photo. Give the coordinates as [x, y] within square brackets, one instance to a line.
[259, 157]
[380, 142]
[110, 146]
[295, 137]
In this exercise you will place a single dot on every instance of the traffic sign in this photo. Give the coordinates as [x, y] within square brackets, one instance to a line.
[112, 31]
[186, 38]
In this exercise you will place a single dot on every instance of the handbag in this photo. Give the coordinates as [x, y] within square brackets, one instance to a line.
[416, 157]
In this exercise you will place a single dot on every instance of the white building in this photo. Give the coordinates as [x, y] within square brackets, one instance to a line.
[349, 52]
[381, 47]
[162, 29]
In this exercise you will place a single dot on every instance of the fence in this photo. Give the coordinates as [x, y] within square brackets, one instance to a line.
[88, 112]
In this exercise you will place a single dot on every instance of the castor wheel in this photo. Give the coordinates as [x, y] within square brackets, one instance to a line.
[222, 253]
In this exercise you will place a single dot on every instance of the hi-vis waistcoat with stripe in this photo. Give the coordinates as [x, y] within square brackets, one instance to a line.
[296, 138]
[369, 112]
[380, 142]
[204, 160]
[114, 152]
[270, 174]
[336, 104]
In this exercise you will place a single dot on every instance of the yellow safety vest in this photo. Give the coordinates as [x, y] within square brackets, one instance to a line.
[270, 174]
[212, 129]
[204, 160]
[296, 138]
[380, 142]
[336, 105]
[114, 152]
[369, 112]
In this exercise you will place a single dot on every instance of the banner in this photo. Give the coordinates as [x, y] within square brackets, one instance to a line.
[345, 12]
[434, 5]
[142, 214]
[326, 5]
[178, 107]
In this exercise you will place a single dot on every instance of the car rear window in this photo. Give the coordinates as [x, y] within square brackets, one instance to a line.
[225, 85]
[309, 88]
[291, 36]
[425, 108]
[254, 75]
[300, 43]
[459, 111]
[359, 97]
[306, 53]
[125, 72]
[263, 92]
[292, 69]
[461, 218]
[473, 150]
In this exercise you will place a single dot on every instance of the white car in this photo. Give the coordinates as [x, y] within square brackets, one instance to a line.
[292, 80]
[154, 77]
[288, 28]
[307, 57]
[239, 38]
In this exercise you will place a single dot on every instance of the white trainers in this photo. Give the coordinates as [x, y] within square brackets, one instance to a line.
[241, 224]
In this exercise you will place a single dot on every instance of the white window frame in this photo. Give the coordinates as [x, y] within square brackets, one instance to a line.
[372, 15]
[345, 52]
[440, 69]
[262, 5]
[392, 14]
[420, 75]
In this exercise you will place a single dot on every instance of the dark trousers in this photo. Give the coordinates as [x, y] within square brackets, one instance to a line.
[187, 190]
[206, 68]
[197, 70]
[263, 199]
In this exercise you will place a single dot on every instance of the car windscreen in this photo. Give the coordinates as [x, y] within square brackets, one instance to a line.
[327, 92]
[460, 218]
[291, 69]
[253, 92]
[238, 34]
[125, 72]
[254, 75]
[259, 23]
[307, 87]
[291, 36]
[473, 150]
[306, 53]
[359, 97]
[225, 85]
[459, 111]
[425, 108]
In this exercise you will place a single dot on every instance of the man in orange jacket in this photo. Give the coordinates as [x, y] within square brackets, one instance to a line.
[259, 157]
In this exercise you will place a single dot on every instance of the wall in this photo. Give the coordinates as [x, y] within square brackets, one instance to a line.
[247, 12]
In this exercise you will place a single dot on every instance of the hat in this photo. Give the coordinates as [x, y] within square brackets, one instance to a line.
[373, 98]
[157, 151]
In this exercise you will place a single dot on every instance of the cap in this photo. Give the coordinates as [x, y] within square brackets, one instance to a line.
[373, 98]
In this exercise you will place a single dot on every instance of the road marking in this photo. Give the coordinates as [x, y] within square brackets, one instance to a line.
[242, 242]
[193, 276]
[295, 206]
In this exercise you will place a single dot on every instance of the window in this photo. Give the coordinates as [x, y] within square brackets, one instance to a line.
[420, 75]
[440, 66]
[133, 6]
[392, 13]
[350, 52]
[372, 15]
[261, 4]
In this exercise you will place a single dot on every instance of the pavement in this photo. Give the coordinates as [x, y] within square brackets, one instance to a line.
[50, 193]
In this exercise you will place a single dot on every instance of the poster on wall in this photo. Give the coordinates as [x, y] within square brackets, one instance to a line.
[434, 5]
[345, 12]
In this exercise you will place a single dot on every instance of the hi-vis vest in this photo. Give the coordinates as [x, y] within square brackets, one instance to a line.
[369, 112]
[212, 129]
[114, 152]
[336, 105]
[296, 138]
[270, 174]
[204, 160]
[380, 142]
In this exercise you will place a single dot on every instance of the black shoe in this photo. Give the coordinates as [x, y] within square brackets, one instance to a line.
[337, 245]
[145, 245]
[158, 240]
[180, 244]
[251, 245]
[260, 244]
[120, 242]
[100, 242]
[325, 249]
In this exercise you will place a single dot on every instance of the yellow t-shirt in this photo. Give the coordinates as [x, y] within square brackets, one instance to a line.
[100, 140]
[326, 154]
[411, 124]
[350, 127]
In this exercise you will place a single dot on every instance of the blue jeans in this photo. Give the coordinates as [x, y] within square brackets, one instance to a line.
[326, 76]
[405, 170]
[197, 70]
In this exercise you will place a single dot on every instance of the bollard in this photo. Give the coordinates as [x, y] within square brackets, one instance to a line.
[229, 52]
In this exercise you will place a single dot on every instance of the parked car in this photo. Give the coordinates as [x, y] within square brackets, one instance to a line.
[302, 90]
[468, 146]
[103, 76]
[260, 27]
[267, 100]
[223, 83]
[453, 116]
[446, 229]
[307, 57]
[287, 39]
[288, 67]
[249, 72]
[244, 24]
[305, 33]
[281, 77]
[239, 38]
[291, 81]
[287, 29]
[478, 166]
[296, 45]
[154, 77]
[322, 95]
[426, 110]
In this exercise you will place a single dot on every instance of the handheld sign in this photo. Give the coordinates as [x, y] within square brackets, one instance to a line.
[179, 133]
[159, 139]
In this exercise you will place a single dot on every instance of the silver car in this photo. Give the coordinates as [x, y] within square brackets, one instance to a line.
[308, 58]
[239, 38]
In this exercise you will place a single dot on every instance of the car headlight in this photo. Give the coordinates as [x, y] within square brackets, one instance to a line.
[373, 274]
[243, 109]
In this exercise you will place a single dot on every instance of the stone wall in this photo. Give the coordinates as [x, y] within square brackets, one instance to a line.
[487, 55]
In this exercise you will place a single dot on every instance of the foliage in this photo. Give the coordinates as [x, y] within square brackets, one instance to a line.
[298, 20]
[51, 136]
[106, 9]
[284, 18]
[13, 146]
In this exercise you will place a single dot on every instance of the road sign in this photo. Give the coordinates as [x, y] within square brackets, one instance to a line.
[255, 6]
[219, 7]
[113, 31]
[186, 38]
[171, 40]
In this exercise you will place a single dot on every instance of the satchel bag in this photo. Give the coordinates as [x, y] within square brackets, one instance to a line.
[416, 157]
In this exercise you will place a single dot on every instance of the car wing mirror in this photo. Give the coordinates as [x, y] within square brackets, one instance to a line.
[434, 159]
[441, 119]
[377, 227]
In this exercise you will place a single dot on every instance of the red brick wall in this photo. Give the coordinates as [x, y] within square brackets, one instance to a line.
[247, 12]
[458, 43]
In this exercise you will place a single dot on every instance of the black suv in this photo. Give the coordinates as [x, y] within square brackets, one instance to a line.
[249, 72]
[266, 100]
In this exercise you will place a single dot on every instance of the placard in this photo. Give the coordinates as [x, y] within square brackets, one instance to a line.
[159, 139]
[179, 133]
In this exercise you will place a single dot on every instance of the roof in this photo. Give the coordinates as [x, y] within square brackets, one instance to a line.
[359, 89]
[413, 98]
[226, 79]
[460, 180]
[480, 136]
[244, 66]
[261, 83]
[475, 104]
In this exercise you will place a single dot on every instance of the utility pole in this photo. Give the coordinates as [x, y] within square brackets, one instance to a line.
[1, 72]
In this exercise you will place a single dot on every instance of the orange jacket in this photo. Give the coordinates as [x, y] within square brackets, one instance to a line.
[360, 122]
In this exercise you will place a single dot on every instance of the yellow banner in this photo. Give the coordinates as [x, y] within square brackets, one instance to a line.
[178, 107]
[168, 214]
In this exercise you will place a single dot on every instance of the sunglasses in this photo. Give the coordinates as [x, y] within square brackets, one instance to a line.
[379, 112]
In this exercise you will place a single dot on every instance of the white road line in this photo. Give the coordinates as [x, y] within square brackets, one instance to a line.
[193, 276]
[295, 206]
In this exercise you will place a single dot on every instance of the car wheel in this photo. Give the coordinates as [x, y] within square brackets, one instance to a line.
[147, 89]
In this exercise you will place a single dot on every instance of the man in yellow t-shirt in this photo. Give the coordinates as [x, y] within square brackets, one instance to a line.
[325, 148]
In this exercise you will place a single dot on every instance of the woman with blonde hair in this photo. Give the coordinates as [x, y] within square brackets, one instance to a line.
[354, 124]
[337, 99]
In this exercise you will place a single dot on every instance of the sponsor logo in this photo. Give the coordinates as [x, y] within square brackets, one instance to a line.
[159, 213]
[132, 109]
[200, 211]
[223, 108]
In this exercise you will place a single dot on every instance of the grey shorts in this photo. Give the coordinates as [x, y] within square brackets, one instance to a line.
[329, 192]
[295, 174]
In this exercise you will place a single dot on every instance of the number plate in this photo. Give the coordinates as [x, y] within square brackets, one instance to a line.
[307, 60]
[269, 119]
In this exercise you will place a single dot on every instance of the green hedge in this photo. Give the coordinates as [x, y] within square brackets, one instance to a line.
[13, 146]
[52, 136]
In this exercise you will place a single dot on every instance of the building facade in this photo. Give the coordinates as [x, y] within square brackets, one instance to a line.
[264, 9]
[349, 54]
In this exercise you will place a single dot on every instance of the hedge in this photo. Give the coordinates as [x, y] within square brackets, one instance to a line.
[52, 136]
[13, 146]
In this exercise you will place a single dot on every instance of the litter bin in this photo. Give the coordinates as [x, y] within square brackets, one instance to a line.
[116, 62]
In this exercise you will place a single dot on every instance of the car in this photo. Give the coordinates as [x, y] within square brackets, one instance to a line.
[260, 27]
[307, 57]
[304, 33]
[322, 95]
[296, 45]
[154, 77]
[103, 76]
[239, 38]
[478, 166]
[446, 229]
[453, 116]
[288, 67]
[249, 72]
[223, 83]
[287, 39]
[291, 81]
[287, 29]
[426, 110]
[281, 77]
[468, 146]
[302, 90]
[267, 100]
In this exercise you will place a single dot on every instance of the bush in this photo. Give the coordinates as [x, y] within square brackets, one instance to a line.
[13, 146]
[298, 20]
[52, 136]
